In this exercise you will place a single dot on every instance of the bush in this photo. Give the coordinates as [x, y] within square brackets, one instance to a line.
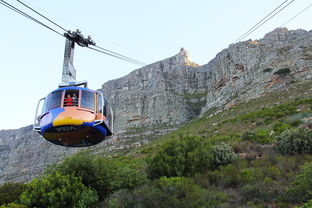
[13, 205]
[254, 192]
[282, 71]
[223, 154]
[300, 190]
[259, 136]
[295, 141]
[57, 190]
[167, 192]
[102, 174]
[181, 157]
[225, 176]
[279, 127]
[307, 205]
[10, 192]
[267, 70]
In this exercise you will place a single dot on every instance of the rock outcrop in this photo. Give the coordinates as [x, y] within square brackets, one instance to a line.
[159, 97]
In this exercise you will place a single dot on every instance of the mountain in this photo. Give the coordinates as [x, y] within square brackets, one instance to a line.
[158, 98]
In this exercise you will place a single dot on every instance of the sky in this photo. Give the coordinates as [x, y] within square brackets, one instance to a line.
[31, 56]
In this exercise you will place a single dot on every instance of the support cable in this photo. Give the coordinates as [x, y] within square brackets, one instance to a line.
[238, 39]
[115, 56]
[27, 16]
[75, 36]
[42, 15]
[251, 31]
[112, 52]
[297, 15]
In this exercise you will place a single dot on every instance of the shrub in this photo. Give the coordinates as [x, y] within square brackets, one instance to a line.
[282, 71]
[112, 175]
[279, 127]
[10, 192]
[225, 176]
[267, 70]
[259, 136]
[57, 190]
[307, 205]
[251, 192]
[223, 154]
[295, 123]
[181, 157]
[300, 190]
[102, 174]
[295, 141]
[13, 205]
[167, 192]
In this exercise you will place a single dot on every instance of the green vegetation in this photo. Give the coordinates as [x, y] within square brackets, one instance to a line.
[196, 101]
[260, 136]
[184, 156]
[268, 70]
[102, 174]
[256, 154]
[307, 205]
[300, 190]
[282, 71]
[10, 192]
[223, 154]
[13, 205]
[57, 190]
[167, 192]
[297, 141]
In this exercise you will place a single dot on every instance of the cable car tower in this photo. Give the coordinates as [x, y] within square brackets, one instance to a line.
[69, 71]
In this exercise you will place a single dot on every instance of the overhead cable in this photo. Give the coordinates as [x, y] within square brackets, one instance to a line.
[119, 57]
[42, 15]
[130, 59]
[259, 22]
[297, 15]
[98, 48]
[263, 22]
[27, 16]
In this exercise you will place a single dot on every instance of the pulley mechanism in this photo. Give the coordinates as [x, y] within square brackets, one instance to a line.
[69, 71]
[78, 38]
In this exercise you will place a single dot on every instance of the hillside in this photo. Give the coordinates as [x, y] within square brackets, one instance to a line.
[161, 97]
[254, 154]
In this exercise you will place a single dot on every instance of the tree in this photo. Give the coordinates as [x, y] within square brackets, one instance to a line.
[58, 191]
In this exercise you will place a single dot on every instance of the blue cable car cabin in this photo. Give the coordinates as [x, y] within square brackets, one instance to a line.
[74, 117]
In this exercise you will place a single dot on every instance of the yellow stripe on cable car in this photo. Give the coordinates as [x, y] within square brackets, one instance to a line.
[72, 116]
[67, 121]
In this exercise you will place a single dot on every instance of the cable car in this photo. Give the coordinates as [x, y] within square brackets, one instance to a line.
[72, 115]
[75, 117]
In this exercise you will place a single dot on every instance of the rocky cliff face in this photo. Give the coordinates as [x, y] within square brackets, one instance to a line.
[249, 69]
[156, 94]
[175, 90]
[159, 97]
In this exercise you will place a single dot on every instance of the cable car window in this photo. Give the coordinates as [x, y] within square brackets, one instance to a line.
[45, 105]
[55, 100]
[87, 100]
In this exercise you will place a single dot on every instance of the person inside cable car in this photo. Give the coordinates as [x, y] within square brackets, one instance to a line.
[75, 99]
[68, 101]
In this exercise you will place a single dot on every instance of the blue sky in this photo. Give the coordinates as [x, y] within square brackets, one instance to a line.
[31, 56]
